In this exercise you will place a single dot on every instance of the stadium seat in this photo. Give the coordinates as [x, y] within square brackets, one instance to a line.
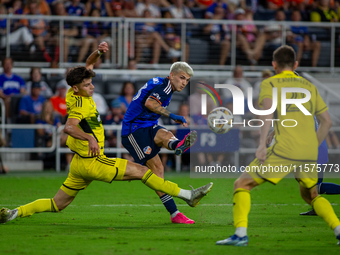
[99, 86]
[113, 86]
[320, 33]
[174, 106]
[325, 57]
[199, 51]
[198, 12]
[23, 138]
[14, 110]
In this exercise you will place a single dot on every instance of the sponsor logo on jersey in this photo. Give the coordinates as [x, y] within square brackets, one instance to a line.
[147, 150]
[156, 95]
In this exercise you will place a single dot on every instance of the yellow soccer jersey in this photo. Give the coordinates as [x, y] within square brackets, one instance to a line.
[299, 142]
[85, 110]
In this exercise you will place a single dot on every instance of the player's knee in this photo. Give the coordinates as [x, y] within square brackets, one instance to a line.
[142, 170]
[158, 170]
[244, 183]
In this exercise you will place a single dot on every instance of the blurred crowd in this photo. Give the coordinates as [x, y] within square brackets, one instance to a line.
[36, 100]
[40, 37]
[40, 99]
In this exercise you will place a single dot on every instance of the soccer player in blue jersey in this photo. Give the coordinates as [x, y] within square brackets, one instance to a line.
[143, 137]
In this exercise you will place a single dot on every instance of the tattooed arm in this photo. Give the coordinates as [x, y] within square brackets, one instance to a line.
[155, 106]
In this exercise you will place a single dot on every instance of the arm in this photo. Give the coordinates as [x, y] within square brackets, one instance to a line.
[325, 125]
[73, 130]
[108, 9]
[156, 107]
[2, 94]
[262, 149]
[92, 59]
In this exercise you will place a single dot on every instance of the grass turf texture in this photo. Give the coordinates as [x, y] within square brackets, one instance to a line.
[128, 218]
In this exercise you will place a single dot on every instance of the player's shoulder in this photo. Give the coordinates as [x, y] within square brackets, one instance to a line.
[75, 101]
[156, 81]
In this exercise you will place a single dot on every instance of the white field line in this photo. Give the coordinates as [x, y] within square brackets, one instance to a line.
[150, 205]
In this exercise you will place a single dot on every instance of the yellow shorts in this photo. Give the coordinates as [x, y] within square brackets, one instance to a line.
[275, 168]
[84, 170]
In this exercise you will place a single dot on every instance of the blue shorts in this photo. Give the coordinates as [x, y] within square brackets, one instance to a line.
[141, 144]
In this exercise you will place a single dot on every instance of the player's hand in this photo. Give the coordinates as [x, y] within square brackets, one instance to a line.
[270, 137]
[94, 150]
[178, 119]
[103, 47]
[261, 154]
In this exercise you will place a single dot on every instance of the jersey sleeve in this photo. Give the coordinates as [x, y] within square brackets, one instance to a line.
[159, 94]
[320, 105]
[266, 91]
[79, 110]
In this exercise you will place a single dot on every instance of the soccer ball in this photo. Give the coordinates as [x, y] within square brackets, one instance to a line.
[219, 120]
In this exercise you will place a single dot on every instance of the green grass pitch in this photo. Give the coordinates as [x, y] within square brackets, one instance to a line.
[128, 218]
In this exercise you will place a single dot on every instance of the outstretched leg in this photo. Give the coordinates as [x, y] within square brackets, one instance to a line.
[138, 172]
[60, 201]
[127, 171]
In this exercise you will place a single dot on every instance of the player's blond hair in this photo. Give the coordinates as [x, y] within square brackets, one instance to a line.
[181, 66]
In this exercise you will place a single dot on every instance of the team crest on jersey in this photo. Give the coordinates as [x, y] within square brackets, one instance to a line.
[155, 80]
[147, 150]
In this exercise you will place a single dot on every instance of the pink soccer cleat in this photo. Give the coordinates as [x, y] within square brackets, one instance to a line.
[180, 218]
[188, 141]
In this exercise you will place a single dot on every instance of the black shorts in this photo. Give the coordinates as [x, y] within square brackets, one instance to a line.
[141, 144]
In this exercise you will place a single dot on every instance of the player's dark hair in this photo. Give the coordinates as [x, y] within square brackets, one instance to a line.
[77, 74]
[284, 56]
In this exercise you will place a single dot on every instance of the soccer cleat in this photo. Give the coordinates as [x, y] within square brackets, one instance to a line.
[8, 215]
[234, 240]
[309, 213]
[188, 141]
[338, 237]
[180, 218]
[198, 194]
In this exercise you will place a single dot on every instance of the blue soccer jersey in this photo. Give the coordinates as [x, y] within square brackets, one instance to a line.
[137, 115]
[11, 85]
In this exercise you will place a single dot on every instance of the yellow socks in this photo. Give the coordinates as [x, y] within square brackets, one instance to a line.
[324, 209]
[40, 205]
[241, 207]
[156, 183]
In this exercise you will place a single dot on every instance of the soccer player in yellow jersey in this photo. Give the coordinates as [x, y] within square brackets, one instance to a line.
[294, 146]
[86, 139]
